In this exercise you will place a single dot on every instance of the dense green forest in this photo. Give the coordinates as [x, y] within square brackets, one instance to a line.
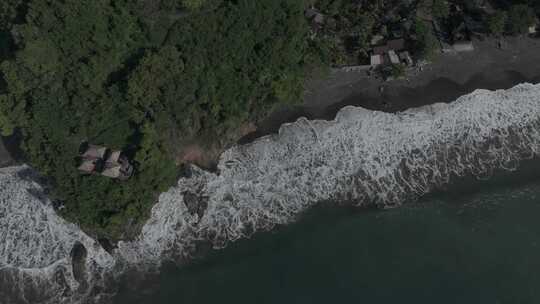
[144, 76]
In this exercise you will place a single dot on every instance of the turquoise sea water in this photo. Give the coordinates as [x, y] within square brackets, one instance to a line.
[476, 242]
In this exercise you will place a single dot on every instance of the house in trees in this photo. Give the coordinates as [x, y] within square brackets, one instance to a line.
[395, 45]
[315, 17]
[91, 158]
[390, 53]
[105, 162]
[533, 29]
[376, 60]
[394, 59]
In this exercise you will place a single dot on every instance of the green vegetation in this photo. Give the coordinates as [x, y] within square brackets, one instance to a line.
[438, 8]
[398, 70]
[193, 4]
[391, 71]
[513, 17]
[426, 42]
[143, 76]
[350, 26]
[497, 23]
[520, 17]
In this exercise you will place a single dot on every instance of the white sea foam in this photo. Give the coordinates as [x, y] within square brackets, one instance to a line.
[362, 157]
[35, 247]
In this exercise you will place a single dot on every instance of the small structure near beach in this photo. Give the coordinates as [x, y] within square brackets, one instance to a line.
[105, 162]
[390, 53]
[376, 39]
[396, 44]
[314, 16]
[394, 59]
[376, 60]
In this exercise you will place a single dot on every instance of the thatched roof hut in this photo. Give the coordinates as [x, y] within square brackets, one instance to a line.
[94, 152]
[112, 172]
[88, 166]
[101, 160]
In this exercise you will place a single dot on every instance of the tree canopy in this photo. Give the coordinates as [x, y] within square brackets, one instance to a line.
[426, 41]
[497, 22]
[520, 17]
[438, 8]
[142, 76]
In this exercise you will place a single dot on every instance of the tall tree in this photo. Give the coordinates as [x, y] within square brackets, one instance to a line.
[520, 18]
[497, 23]
[426, 40]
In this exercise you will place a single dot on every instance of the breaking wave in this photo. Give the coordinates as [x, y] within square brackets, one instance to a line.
[362, 157]
[37, 249]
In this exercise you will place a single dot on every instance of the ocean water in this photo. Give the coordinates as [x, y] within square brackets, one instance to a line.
[474, 242]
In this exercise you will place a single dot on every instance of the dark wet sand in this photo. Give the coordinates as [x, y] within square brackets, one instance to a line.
[396, 99]
[447, 78]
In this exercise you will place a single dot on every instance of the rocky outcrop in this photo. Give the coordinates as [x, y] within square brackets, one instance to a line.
[78, 264]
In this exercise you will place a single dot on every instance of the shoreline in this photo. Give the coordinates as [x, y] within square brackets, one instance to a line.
[448, 77]
[464, 174]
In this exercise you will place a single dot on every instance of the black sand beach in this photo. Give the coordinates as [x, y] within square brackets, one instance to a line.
[444, 80]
